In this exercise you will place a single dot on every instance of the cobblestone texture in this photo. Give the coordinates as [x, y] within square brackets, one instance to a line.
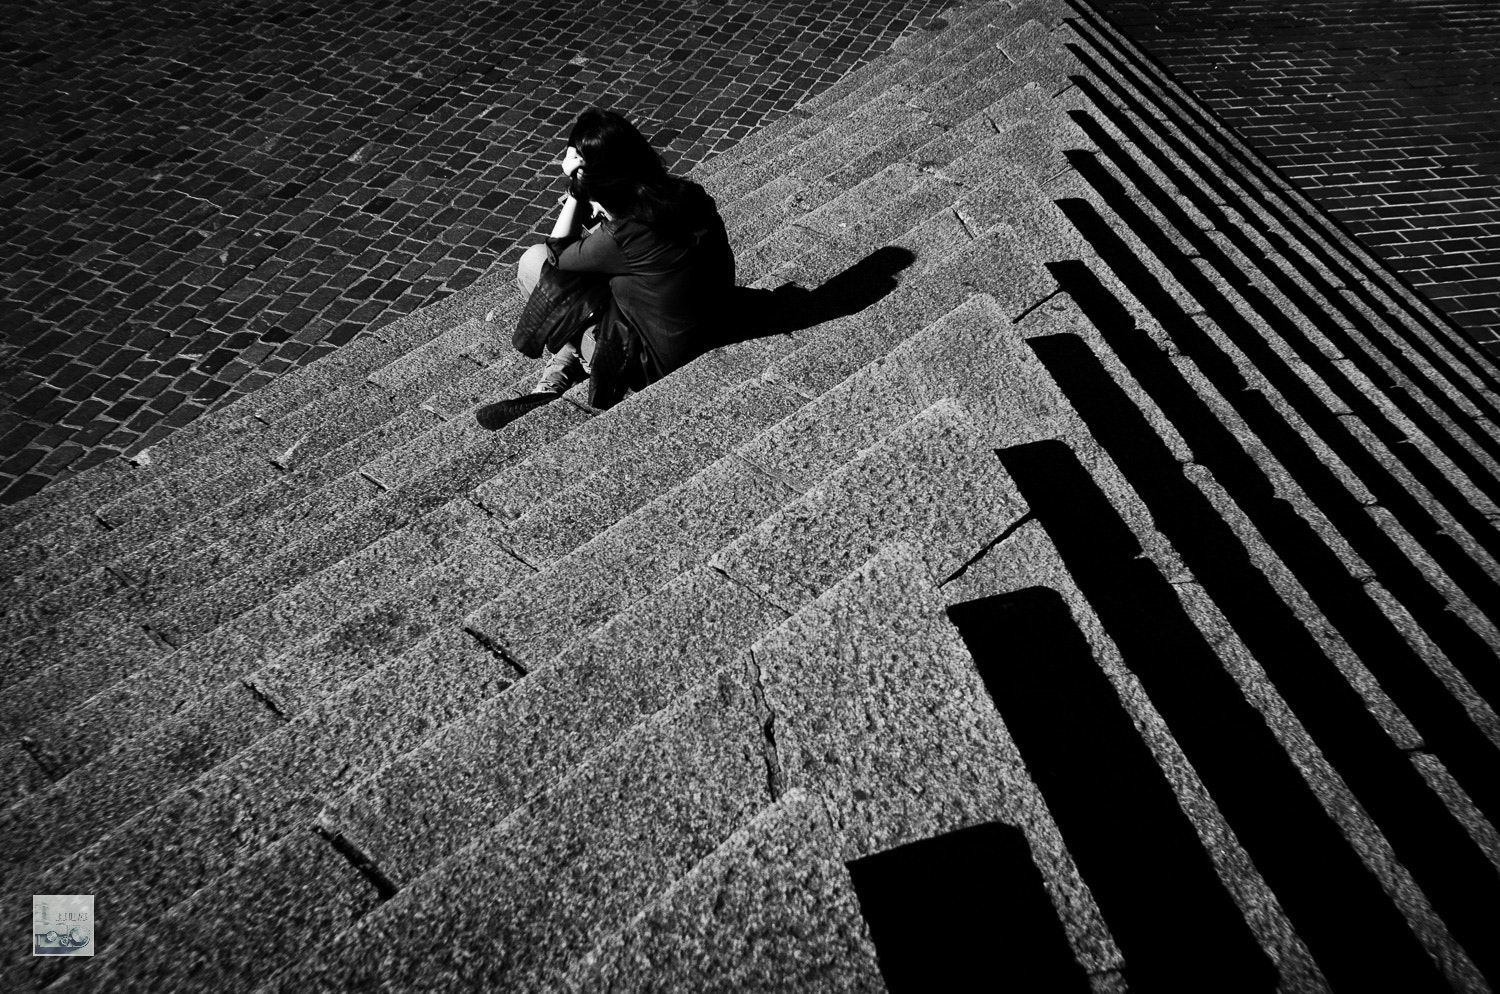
[198, 196]
[1387, 114]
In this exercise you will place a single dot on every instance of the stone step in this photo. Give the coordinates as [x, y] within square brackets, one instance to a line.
[1312, 629]
[80, 734]
[305, 889]
[292, 437]
[79, 496]
[647, 810]
[169, 697]
[728, 926]
[689, 616]
[278, 786]
[855, 89]
[1297, 488]
[183, 559]
[695, 767]
[923, 314]
[930, 706]
[825, 674]
[223, 602]
[1252, 187]
[1238, 347]
[845, 514]
[159, 698]
[1448, 438]
[1242, 719]
[67, 512]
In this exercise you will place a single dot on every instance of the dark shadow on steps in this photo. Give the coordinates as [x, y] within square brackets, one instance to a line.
[1335, 904]
[1264, 313]
[966, 911]
[1144, 73]
[1445, 725]
[1390, 492]
[1334, 318]
[1140, 856]
[757, 313]
[1438, 851]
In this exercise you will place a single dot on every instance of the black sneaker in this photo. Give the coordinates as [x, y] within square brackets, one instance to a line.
[498, 415]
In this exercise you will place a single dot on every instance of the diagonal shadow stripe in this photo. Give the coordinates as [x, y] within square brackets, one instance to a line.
[1144, 863]
[1445, 725]
[1441, 856]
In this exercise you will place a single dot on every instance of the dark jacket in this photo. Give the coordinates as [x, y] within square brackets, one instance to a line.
[667, 294]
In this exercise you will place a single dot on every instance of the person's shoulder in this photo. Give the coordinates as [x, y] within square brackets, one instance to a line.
[694, 194]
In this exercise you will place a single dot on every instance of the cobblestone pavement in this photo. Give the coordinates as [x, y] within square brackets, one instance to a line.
[1387, 114]
[199, 196]
[196, 196]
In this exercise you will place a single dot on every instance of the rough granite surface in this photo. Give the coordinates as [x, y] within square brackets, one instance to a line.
[579, 702]
[930, 483]
[771, 911]
[574, 865]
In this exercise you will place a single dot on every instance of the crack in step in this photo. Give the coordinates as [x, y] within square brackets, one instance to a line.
[775, 777]
[495, 649]
[34, 749]
[385, 888]
[1014, 527]
[265, 699]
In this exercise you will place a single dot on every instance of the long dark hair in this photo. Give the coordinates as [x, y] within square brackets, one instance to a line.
[623, 173]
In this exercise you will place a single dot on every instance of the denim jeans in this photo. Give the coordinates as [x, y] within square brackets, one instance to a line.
[569, 364]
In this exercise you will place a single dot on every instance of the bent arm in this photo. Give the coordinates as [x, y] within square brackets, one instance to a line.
[569, 219]
[594, 253]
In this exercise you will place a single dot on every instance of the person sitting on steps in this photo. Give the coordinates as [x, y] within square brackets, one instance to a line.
[663, 249]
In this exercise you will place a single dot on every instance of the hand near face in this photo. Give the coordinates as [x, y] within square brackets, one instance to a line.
[571, 161]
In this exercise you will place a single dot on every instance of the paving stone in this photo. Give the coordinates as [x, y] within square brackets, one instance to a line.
[1431, 84]
[283, 200]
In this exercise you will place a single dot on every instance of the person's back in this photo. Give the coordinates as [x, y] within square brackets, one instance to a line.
[663, 248]
[673, 287]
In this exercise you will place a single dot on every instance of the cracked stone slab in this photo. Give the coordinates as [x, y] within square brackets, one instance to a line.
[931, 483]
[878, 709]
[576, 863]
[670, 535]
[274, 910]
[773, 910]
[577, 702]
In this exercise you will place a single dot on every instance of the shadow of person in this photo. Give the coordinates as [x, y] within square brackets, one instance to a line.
[762, 313]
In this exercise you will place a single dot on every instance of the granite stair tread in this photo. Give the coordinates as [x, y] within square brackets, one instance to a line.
[677, 684]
